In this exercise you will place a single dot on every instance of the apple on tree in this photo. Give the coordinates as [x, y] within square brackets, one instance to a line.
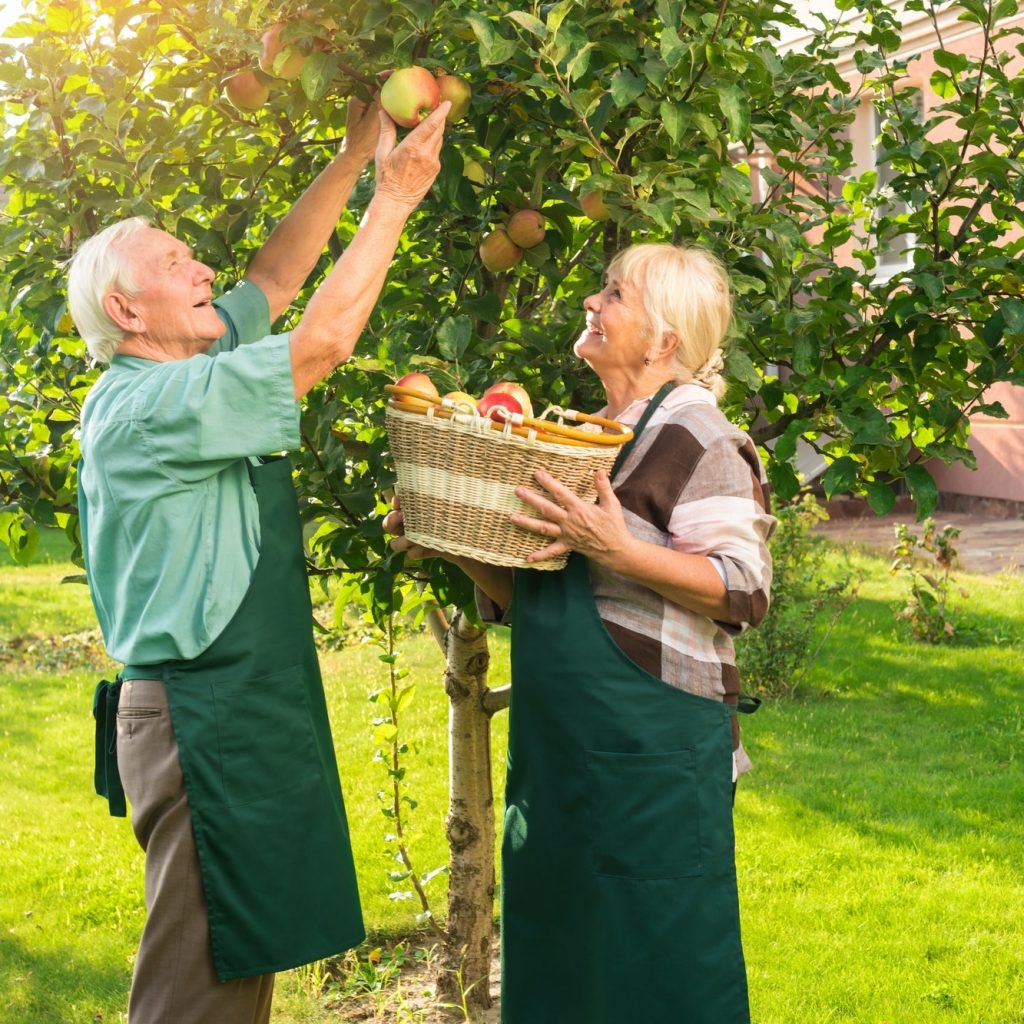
[498, 252]
[459, 92]
[280, 59]
[409, 95]
[247, 90]
[526, 228]
[593, 205]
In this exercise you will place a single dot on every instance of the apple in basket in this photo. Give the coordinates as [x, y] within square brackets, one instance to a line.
[517, 391]
[460, 401]
[416, 382]
[497, 405]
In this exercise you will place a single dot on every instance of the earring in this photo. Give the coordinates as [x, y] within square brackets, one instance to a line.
[647, 360]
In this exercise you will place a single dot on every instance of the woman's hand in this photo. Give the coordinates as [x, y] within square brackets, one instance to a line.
[494, 580]
[394, 523]
[597, 531]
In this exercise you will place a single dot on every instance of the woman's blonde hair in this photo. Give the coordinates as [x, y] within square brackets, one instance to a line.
[685, 290]
[99, 267]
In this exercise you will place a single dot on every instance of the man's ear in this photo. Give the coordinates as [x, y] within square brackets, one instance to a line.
[122, 311]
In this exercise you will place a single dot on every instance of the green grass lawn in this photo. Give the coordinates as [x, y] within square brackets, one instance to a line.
[879, 838]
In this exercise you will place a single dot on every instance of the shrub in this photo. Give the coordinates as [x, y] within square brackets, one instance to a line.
[805, 605]
[928, 560]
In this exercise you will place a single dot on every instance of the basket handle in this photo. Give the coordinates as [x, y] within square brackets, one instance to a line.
[517, 423]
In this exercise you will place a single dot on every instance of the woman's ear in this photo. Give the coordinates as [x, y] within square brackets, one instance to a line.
[669, 343]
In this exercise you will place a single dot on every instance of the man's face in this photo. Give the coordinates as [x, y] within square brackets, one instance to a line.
[173, 304]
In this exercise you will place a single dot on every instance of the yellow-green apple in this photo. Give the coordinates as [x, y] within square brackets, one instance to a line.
[498, 252]
[517, 391]
[460, 400]
[246, 90]
[409, 95]
[526, 228]
[593, 205]
[498, 405]
[280, 59]
[459, 92]
[416, 382]
[474, 170]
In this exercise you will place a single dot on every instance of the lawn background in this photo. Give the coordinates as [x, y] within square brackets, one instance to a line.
[879, 839]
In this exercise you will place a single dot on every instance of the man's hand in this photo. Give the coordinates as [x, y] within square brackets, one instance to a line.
[406, 171]
[362, 130]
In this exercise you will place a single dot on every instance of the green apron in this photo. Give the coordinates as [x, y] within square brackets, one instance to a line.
[618, 886]
[256, 752]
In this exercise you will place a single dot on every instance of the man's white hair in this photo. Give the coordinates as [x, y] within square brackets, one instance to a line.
[99, 267]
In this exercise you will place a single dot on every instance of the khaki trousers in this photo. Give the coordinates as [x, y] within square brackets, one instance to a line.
[174, 980]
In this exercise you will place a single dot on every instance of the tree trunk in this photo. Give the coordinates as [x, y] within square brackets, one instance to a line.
[465, 968]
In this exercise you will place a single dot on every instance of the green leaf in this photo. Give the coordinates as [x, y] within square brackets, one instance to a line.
[530, 22]
[741, 367]
[841, 476]
[923, 490]
[674, 118]
[626, 87]
[672, 47]
[736, 109]
[317, 76]
[881, 497]
[453, 336]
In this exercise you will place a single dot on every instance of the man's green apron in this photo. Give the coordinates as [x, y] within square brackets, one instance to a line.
[618, 889]
[255, 746]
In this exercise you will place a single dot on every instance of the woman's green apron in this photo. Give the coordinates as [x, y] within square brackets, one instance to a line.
[256, 751]
[618, 889]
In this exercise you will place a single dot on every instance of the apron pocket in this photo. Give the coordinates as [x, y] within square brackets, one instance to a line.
[266, 738]
[644, 819]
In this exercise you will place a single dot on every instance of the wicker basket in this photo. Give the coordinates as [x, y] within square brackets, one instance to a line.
[457, 471]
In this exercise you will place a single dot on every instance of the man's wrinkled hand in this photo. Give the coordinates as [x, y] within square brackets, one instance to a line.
[362, 130]
[406, 171]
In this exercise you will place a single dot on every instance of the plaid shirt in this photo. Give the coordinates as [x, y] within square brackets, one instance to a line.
[692, 482]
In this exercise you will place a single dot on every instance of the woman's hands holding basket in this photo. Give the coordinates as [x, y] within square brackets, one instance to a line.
[597, 531]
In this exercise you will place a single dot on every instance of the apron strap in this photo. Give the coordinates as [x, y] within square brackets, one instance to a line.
[106, 777]
[652, 405]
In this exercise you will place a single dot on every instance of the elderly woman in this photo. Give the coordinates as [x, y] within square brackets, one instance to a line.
[619, 893]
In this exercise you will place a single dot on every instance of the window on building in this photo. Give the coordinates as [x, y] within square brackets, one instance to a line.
[894, 253]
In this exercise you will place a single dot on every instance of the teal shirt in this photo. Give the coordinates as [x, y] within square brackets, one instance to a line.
[170, 524]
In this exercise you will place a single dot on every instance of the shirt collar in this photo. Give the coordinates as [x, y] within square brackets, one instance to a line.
[684, 394]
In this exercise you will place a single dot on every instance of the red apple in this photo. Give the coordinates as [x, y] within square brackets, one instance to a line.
[459, 91]
[517, 391]
[593, 205]
[416, 382]
[409, 95]
[496, 404]
[499, 252]
[526, 228]
[247, 91]
[282, 60]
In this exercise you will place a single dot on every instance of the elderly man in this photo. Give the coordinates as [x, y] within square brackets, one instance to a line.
[217, 727]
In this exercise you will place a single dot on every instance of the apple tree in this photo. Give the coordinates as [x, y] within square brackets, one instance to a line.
[615, 123]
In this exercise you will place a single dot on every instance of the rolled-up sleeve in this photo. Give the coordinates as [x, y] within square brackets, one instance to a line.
[722, 513]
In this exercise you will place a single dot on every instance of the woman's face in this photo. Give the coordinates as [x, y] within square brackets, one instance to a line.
[617, 334]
